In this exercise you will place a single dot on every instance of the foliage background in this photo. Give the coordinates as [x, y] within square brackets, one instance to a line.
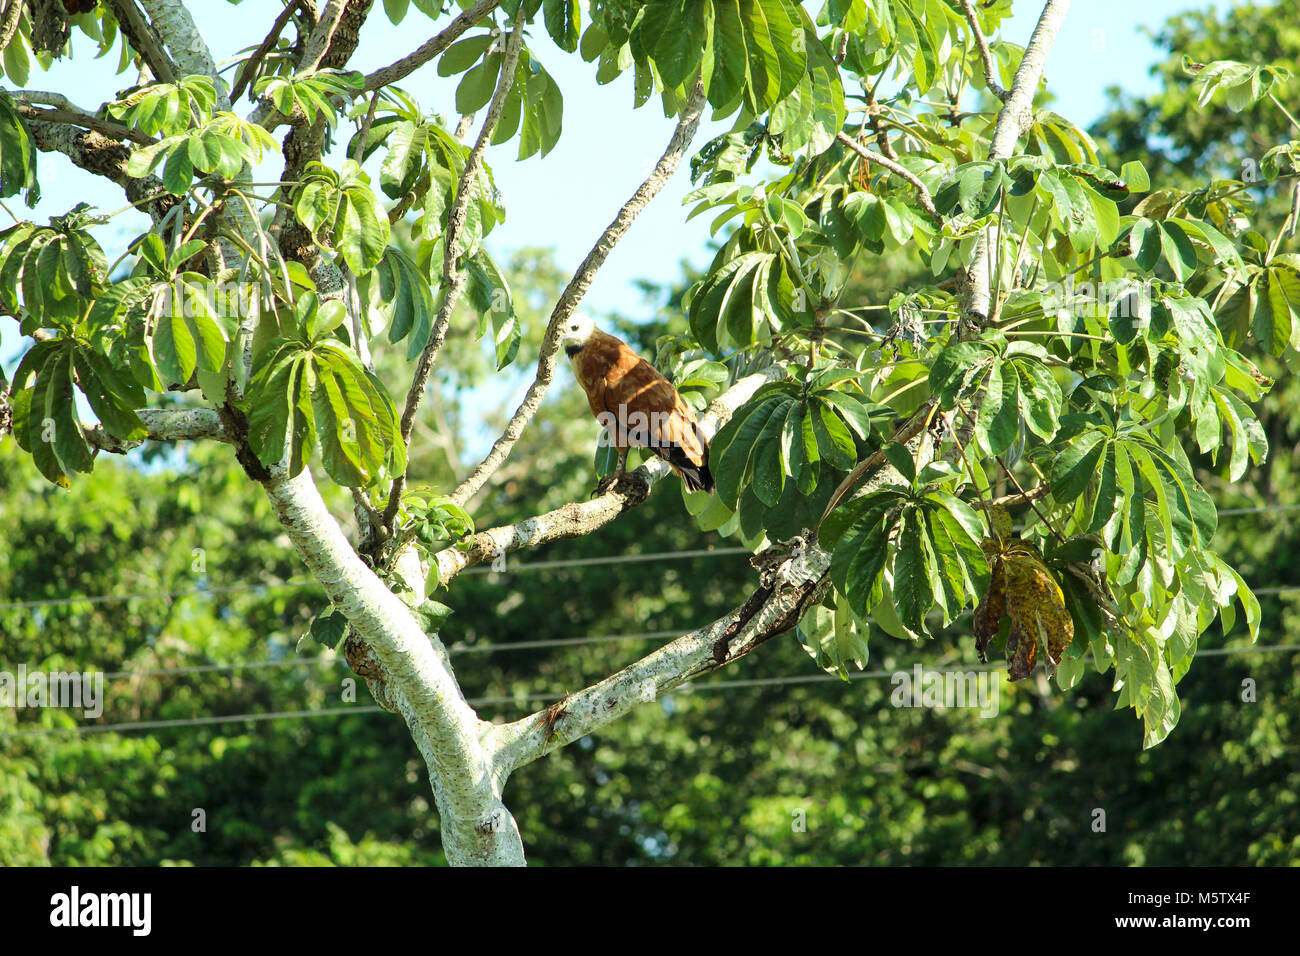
[711, 777]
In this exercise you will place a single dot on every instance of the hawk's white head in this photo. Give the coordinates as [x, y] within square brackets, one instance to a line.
[577, 330]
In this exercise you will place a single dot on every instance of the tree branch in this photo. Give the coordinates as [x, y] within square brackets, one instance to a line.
[322, 37]
[1020, 498]
[580, 518]
[188, 49]
[902, 172]
[791, 580]
[9, 21]
[251, 65]
[990, 69]
[412, 668]
[684, 132]
[142, 38]
[75, 117]
[453, 277]
[105, 157]
[1014, 119]
[162, 424]
[431, 47]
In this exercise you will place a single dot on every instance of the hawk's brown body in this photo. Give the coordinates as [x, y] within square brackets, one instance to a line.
[639, 407]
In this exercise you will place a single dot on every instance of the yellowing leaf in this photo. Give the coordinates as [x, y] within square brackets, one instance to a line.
[1022, 588]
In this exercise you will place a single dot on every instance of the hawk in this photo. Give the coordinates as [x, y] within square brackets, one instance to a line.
[638, 407]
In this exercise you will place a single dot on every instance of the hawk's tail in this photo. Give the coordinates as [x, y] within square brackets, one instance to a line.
[696, 477]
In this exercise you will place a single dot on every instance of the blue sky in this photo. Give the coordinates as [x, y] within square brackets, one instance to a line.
[567, 198]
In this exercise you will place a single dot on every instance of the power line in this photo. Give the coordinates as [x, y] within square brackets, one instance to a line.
[457, 650]
[1262, 509]
[491, 648]
[210, 668]
[688, 688]
[514, 568]
[149, 595]
[612, 559]
[195, 721]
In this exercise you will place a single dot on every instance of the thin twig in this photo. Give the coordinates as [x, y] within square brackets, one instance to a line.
[85, 121]
[919, 421]
[1007, 471]
[250, 67]
[431, 48]
[453, 278]
[990, 70]
[902, 172]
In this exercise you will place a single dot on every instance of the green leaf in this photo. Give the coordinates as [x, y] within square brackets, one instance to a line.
[1074, 466]
[17, 152]
[834, 636]
[912, 584]
[362, 231]
[329, 628]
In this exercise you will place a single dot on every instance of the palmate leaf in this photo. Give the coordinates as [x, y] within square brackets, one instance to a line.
[342, 208]
[1144, 682]
[929, 542]
[45, 415]
[748, 57]
[476, 87]
[1007, 390]
[168, 108]
[310, 93]
[405, 290]
[186, 335]
[463, 54]
[329, 627]
[112, 394]
[563, 22]
[306, 390]
[56, 270]
[834, 636]
[814, 111]
[787, 439]
[222, 145]
[540, 107]
[1244, 431]
[733, 304]
[488, 291]
[17, 151]
[1022, 589]
[731, 456]
[858, 536]
[348, 428]
[913, 563]
[673, 33]
[1241, 83]
[1143, 500]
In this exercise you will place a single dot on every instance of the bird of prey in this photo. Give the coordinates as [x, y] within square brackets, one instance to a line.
[638, 407]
